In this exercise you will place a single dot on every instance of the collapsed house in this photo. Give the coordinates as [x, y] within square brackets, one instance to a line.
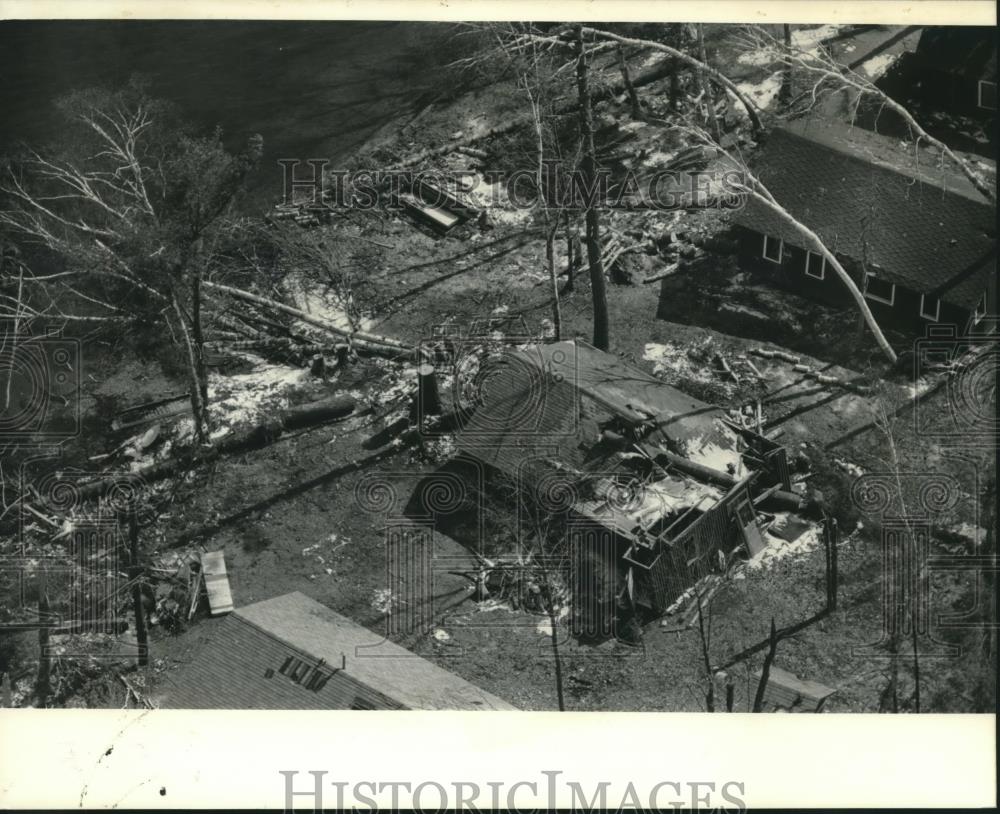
[291, 652]
[657, 489]
[910, 229]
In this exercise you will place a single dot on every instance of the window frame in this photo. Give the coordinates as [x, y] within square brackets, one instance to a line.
[822, 266]
[979, 94]
[781, 250]
[937, 311]
[875, 297]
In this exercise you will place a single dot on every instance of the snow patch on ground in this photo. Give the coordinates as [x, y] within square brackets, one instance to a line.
[918, 388]
[674, 359]
[494, 199]
[242, 398]
[876, 66]
[762, 93]
[806, 39]
[327, 305]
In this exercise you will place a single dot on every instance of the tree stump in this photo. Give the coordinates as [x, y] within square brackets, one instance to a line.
[427, 390]
[317, 365]
[342, 352]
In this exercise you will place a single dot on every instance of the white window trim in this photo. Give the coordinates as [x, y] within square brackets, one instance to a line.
[980, 312]
[875, 297]
[781, 250]
[822, 267]
[937, 311]
[979, 93]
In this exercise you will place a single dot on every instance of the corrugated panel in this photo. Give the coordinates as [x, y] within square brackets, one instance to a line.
[213, 567]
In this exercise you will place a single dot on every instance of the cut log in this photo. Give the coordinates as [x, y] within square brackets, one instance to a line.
[306, 415]
[660, 275]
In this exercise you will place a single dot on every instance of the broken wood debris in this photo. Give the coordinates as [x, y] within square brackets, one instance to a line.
[811, 373]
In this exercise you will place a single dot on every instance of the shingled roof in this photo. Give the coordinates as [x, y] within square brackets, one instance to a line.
[923, 224]
[241, 666]
[547, 401]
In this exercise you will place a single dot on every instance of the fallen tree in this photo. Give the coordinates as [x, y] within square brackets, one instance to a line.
[254, 437]
[371, 343]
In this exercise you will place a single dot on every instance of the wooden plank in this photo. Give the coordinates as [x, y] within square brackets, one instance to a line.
[788, 691]
[213, 567]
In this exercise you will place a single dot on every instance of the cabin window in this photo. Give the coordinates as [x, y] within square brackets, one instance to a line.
[930, 307]
[988, 95]
[879, 290]
[815, 265]
[362, 703]
[980, 310]
[772, 249]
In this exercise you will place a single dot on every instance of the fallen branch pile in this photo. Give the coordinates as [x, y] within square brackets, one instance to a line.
[358, 341]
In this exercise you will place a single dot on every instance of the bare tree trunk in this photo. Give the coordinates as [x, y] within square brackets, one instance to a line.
[786, 75]
[593, 224]
[573, 253]
[42, 681]
[198, 406]
[197, 333]
[765, 673]
[706, 86]
[557, 657]
[675, 88]
[550, 259]
[135, 572]
[633, 95]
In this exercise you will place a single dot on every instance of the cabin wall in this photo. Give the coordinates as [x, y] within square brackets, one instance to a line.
[692, 555]
[903, 314]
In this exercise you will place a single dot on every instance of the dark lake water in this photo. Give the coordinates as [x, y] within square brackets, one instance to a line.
[312, 89]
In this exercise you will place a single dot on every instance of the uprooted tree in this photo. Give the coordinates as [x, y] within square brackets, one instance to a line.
[118, 223]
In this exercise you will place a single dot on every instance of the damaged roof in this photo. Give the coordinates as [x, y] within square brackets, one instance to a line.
[551, 401]
[240, 666]
[879, 200]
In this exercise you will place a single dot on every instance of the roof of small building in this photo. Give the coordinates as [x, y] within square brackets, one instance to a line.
[552, 400]
[913, 219]
[239, 666]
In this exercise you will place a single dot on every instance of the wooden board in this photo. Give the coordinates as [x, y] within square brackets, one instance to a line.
[220, 598]
[747, 520]
[788, 691]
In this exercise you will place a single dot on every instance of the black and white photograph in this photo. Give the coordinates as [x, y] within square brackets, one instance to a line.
[525, 366]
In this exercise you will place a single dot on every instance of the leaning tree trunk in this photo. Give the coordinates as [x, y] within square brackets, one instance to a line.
[593, 224]
[550, 259]
[831, 260]
[198, 335]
